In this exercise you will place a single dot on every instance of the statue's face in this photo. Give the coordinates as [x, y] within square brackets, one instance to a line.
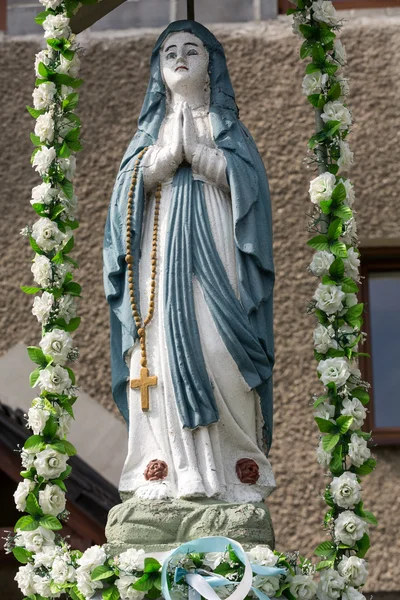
[184, 62]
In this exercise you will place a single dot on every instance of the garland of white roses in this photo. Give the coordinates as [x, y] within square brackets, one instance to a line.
[51, 568]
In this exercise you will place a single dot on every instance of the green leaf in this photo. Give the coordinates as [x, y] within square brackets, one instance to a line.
[32, 506]
[64, 151]
[75, 146]
[101, 572]
[318, 54]
[317, 100]
[320, 400]
[65, 473]
[306, 49]
[326, 549]
[331, 128]
[309, 31]
[361, 394]
[61, 79]
[67, 188]
[327, 280]
[344, 422]
[334, 353]
[324, 425]
[349, 286]
[69, 448]
[71, 375]
[43, 70]
[365, 468]
[151, 565]
[34, 112]
[369, 517]
[111, 593]
[312, 68]
[339, 249]
[224, 568]
[35, 140]
[319, 242]
[363, 546]
[26, 523]
[321, 316]
[328, 497]
[73, 288]
[325, 206]
[329, 441]
[34, 246]
[336, 269]
[33, 377]
[327, 36]
[22, 555]
[37, 356]
[335, 229]
[336, 464]
[41, 17]
[49, 522]
[69, 245]
[333, 169]
[325, 564]
[50, 427]
[30, 290]
[55, 43]
[35, 443]
[330, 68]
[335, 92]
[143, 584]
[60, 484]
[343, 212]
[75, 594]
[353, 314]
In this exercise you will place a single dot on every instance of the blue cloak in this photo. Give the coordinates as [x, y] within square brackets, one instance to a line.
[245, 325]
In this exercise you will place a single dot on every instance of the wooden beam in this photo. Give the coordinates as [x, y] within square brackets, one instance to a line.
[89, 14]
[3, 15]
[190, 10]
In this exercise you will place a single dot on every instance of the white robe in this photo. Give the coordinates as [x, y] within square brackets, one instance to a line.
[201, 462]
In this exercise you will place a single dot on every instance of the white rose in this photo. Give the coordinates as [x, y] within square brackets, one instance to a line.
[131, 560]
[324, 338]
[64, 424]
[42, 307]
[213, 559]
[51, 3]
[314, 83]
[46, 233]
[43, 586]
[46, 557]
[20, 495]
[61, 571]
[354, 408]
[302, 587]
[27, 458]
[52, 500]
[350, 194]
[67, 308]
[351, 593]
[24, 578]
[85, 585]
[352, 264]
[44, 127]
[70, 204]
[43, 159]
[331, 585]
[66, 90]
[349, 528]
[43, 194]
[50, 464]
[349, 301]
[340, 53]
[68, 166]
[41, 270]
[262, 555]
[346, 490]
[269, 584]
[54, 379]
[358, 450]
[43, 95]
[321, 262]
[334, 370]
[348, 336]
[92, 557]
[325, 411]
[323, 457]
[354, 570]
[346, 158]
[45, 57]
[329, 298]
[37, 418]
[336, 111]
[56, 26]
[349, 235]
[35, 541]
[69, 67]
[321, 187]
[298, 19]
[126, 591]
[324, 11]
[58, 344]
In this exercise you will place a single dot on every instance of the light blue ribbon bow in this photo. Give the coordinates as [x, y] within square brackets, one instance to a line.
[202, 584]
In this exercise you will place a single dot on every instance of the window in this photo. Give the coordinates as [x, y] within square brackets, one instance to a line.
[284, 5]
[380, 292]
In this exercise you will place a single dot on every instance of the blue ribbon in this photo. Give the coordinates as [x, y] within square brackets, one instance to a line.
[201, 578]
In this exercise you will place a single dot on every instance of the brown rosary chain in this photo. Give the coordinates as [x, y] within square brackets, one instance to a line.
[129, 259]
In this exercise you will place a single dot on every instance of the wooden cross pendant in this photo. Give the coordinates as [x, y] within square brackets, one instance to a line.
[143, 384]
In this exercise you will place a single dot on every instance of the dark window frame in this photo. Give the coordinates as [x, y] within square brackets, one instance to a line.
[375, 259]
[284, 5]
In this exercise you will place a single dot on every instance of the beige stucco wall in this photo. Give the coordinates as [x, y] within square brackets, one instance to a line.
[266, 74]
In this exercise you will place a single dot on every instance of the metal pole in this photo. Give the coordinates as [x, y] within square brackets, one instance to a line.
[190, 10]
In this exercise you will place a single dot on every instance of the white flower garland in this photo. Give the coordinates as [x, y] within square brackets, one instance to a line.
[51, 568]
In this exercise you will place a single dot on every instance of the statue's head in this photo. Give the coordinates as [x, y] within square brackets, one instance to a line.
[184, 62]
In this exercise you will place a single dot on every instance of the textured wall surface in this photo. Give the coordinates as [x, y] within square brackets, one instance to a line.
[266, 74]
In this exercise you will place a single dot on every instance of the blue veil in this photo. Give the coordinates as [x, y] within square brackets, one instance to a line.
[246, 325]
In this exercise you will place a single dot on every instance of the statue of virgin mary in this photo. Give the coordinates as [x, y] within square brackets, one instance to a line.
[208, 426]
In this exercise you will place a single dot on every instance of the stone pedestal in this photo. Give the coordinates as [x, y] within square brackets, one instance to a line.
[161, 525]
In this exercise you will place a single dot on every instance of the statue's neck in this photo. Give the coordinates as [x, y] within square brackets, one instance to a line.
[194, 97]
